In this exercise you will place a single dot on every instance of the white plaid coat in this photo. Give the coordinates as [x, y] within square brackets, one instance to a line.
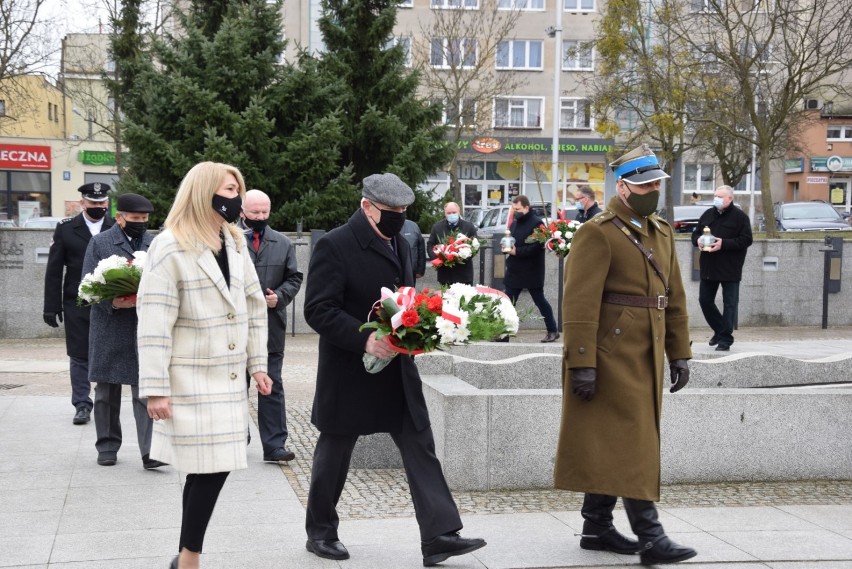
[196, 340]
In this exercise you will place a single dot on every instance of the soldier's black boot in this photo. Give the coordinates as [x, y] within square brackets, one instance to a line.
[657, 548]
[598, 532]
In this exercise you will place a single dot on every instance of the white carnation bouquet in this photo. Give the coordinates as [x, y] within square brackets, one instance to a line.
[113, 277]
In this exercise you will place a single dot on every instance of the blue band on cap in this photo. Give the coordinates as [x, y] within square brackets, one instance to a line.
[634, 164]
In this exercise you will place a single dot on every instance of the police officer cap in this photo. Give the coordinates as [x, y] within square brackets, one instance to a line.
[387, 189]
[133, 203]
[95, 192]
[639, 166]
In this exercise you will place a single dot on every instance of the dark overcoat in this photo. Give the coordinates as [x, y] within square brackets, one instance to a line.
[275, 262]
[733, 227]
[67, 251]
[113, 357]
[525, 269]
[461, 273]
[611, 444]
[348, 268]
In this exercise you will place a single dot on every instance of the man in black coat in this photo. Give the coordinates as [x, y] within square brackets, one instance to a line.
[274, 259]
[67, 250]
[112, 336]
[722, 265]
[414, 237]
[452, 223]
[525, 264]
[348, 268]
[587, 206]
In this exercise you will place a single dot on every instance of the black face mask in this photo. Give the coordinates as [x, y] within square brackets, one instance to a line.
[391, 222]
[135, 229]
[96, 212]
[228, 208]
[256, 224]
[518, 215]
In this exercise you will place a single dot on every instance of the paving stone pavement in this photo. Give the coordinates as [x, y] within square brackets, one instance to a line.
[58, 518]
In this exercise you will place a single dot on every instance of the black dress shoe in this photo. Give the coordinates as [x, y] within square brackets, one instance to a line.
[551, 337]
[446, 546]
[282, 454]
[610, 539]
[327, 549]
[714, 340]
[665, 551]
[723, 348]
[82, 416]
[107, 459]
[150, 463]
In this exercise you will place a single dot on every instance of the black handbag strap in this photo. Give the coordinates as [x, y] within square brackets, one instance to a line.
[645, 252]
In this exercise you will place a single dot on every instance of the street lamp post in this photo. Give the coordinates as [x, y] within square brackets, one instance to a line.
[556, 32]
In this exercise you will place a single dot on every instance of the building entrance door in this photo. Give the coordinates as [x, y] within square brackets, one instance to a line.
[839, 194]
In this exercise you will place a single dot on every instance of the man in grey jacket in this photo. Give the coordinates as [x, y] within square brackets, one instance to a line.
[113, 359]
[275, 261]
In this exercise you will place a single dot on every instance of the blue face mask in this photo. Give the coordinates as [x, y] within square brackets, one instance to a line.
[453, 218]
[719, 203]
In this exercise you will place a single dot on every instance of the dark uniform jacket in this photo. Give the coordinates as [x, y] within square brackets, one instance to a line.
[461, 273]
[733, 226]
[587, 214]
[611, 444]
[348, 268]
[113, 356]
[525, 269]
[67, 250]
[412, 234]
[275, 262]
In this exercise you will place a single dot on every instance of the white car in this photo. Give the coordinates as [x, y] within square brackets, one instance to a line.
[42, 222]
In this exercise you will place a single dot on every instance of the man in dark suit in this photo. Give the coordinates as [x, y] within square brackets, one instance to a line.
[112, 335]
[67, 250]
[275, 261]
[348, 268]
[525, 264]
[452, 223]
[587, 206]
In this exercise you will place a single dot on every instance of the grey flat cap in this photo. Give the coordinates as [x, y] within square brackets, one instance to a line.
[387, 189]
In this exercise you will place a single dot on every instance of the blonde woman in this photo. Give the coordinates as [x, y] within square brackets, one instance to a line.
[202, 323]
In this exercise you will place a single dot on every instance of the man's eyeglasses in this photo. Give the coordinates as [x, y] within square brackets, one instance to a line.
[395, 209]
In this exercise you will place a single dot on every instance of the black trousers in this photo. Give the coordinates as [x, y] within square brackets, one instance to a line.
[723, 322]
[271, 409]
[434, 507]
[200, 492]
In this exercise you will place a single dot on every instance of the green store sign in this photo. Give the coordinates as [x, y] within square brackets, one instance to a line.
[97, 157]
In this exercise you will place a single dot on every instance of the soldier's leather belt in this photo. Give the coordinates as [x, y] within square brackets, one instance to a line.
[659, 302]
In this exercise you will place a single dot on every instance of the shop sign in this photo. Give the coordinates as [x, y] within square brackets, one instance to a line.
[532, 146]
[97, 157]
[831, 164]
[20, 157]
[817, 179]
[794, 165]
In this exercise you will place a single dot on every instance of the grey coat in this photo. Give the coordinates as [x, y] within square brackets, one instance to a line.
[113, 356]
[275, 262]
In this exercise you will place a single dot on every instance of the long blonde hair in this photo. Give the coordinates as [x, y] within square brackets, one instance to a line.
[189, 217]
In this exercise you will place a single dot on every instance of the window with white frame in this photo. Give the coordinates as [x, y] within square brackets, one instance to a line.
[519, 54]
[403, 41]
[759, 5]
[627, 119]
[578, 5]
[453, 52]
[455, 4]
[520, 4]
[577, 56]
[575, 114]
[840, 132]
[517, 112]
[406, 4]
[706, 6]
[699, 178]
[458, 113]
[707, 57]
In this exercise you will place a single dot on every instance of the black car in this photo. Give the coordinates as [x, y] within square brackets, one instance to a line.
[686, 216]
[808, 216]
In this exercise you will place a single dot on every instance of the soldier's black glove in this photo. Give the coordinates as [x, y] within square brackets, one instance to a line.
[50, 319]
[680, 374]
[583, 382]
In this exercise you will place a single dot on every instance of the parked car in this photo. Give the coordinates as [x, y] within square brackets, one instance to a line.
[808, 216]
[7, 223]
[495, 219]
[474, 214]
[686, 216]
[42, 222]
